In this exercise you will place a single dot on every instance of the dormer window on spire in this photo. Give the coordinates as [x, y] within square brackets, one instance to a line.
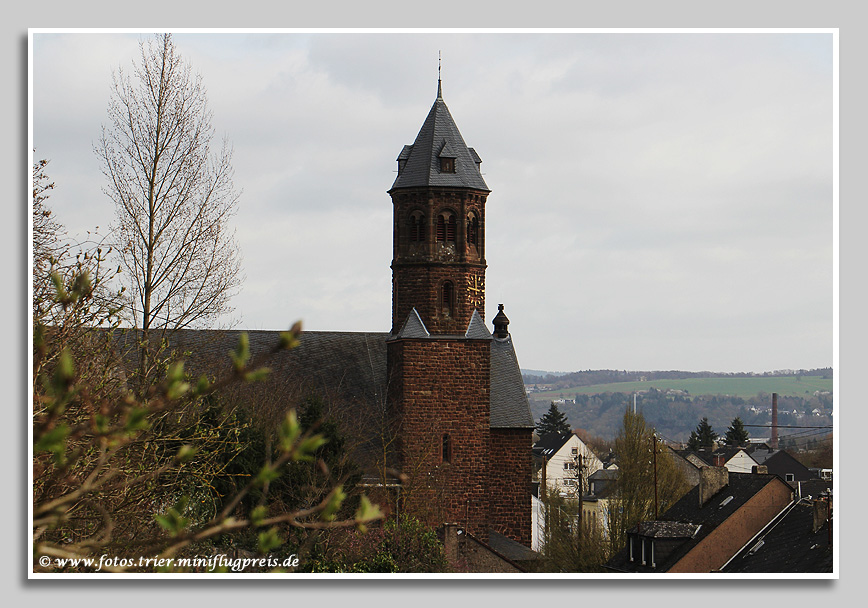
[447, 158]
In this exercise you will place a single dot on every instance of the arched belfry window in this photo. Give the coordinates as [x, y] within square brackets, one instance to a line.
[417, 226]
[446, 227]
[447, 299]
[472, 229]
[446, 449]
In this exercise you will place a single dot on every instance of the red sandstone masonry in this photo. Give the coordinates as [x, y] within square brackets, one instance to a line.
[510, 483]
[419, 268]
[444, 388]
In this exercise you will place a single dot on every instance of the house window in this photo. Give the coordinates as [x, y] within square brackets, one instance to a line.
[447, 299]
[568, 466]
[791, 477]
[447, 165]
[575, 451]
[447, 448]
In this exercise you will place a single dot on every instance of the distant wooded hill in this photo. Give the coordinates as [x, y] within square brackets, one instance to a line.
[673, 401]
[607, 376]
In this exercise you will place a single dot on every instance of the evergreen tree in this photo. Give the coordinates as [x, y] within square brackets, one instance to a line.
[703, 437]
[736, 433]
[553, 421]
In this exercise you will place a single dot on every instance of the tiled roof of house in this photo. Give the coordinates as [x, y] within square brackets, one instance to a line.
[780, 462]
[548, 445]
[666, 529]
[604, 474]
[439, 136]
[511, 549]
[788, 544]
[717, 509]
[707, 455]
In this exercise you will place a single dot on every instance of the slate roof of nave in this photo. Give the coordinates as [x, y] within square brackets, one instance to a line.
[347, 367]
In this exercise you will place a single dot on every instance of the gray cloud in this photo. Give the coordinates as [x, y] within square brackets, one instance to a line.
[659, 200]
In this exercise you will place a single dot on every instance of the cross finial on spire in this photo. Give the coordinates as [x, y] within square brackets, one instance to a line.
[439, 88]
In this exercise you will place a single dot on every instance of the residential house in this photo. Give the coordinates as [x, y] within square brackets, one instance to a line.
[467, 553]
[782, 463]
[689, 468]
[557, 462]
[735, 459]
[563, 464]
[595, 504]
[708, 526]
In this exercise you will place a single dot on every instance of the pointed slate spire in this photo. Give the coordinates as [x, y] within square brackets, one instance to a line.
[413, 327]
[419, 164]
[476, 329]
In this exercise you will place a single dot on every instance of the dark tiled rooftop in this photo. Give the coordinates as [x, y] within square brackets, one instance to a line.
[788, 544]
[422, 159]
[550, 443]
[666, 529]
[510, 549]
[347, 367]
[741, 488]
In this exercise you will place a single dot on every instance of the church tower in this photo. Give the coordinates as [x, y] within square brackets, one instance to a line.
[438, 257]
[462, 433]
[439, 358]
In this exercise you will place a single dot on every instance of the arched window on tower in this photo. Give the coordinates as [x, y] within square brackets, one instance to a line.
[447, 299]
[446, 227]
[472, 229]
[417, 227]
[446, 450]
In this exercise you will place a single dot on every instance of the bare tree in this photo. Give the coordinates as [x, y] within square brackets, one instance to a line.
[46, 233]
[173, 194]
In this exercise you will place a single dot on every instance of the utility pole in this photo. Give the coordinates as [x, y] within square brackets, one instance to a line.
[579, 472]
[654, 457]
[581, 485]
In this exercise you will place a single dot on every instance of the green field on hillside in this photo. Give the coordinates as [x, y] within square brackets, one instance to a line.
[802, 386]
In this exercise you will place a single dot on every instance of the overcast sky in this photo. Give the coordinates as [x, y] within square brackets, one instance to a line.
[659, 200]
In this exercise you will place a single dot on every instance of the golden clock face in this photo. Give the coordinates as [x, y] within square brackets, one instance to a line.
[476, 289]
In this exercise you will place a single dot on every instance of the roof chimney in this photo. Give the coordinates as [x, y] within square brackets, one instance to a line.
[500, 322]
[820, 510]
[711, 480]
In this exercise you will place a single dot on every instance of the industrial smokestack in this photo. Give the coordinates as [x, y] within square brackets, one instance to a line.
[774, 439]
